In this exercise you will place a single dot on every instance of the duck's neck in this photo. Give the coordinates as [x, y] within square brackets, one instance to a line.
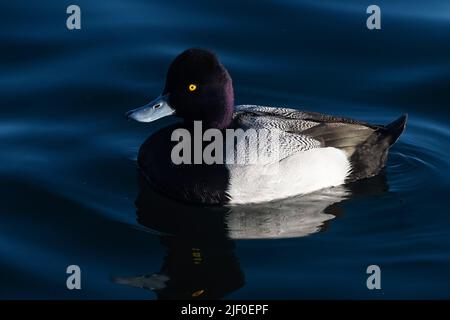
[220, 120]
[223, 121]
[225, 109]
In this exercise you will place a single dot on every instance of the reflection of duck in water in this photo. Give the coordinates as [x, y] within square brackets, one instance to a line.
[200, 261]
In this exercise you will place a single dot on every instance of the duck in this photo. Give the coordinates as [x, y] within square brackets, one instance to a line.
[314, 151]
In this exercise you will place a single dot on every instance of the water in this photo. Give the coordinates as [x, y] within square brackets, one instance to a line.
[68, 175]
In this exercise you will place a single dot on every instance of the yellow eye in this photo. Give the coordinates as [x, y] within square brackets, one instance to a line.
[192, 87]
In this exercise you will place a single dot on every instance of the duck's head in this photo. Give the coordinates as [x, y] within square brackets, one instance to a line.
[198, 87]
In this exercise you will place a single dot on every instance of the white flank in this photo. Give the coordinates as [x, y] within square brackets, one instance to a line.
[300, 173]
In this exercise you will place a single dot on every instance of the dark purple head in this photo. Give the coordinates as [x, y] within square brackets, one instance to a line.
[198, 87]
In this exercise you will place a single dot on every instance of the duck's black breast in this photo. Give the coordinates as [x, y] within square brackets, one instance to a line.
[199, 183]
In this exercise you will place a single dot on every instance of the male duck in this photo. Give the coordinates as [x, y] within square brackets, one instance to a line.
[316, 151]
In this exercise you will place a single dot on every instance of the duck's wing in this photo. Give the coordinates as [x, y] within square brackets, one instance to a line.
[282, 125]
[285, 114]
[365, 145]
[269, 117]
[302, 130]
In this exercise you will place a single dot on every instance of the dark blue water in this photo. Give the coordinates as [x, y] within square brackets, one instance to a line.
[68, 179]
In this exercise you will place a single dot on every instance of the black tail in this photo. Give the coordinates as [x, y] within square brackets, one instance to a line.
[371, 155]
[394, 129]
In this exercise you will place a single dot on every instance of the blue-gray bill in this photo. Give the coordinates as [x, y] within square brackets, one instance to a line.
[152, 111]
